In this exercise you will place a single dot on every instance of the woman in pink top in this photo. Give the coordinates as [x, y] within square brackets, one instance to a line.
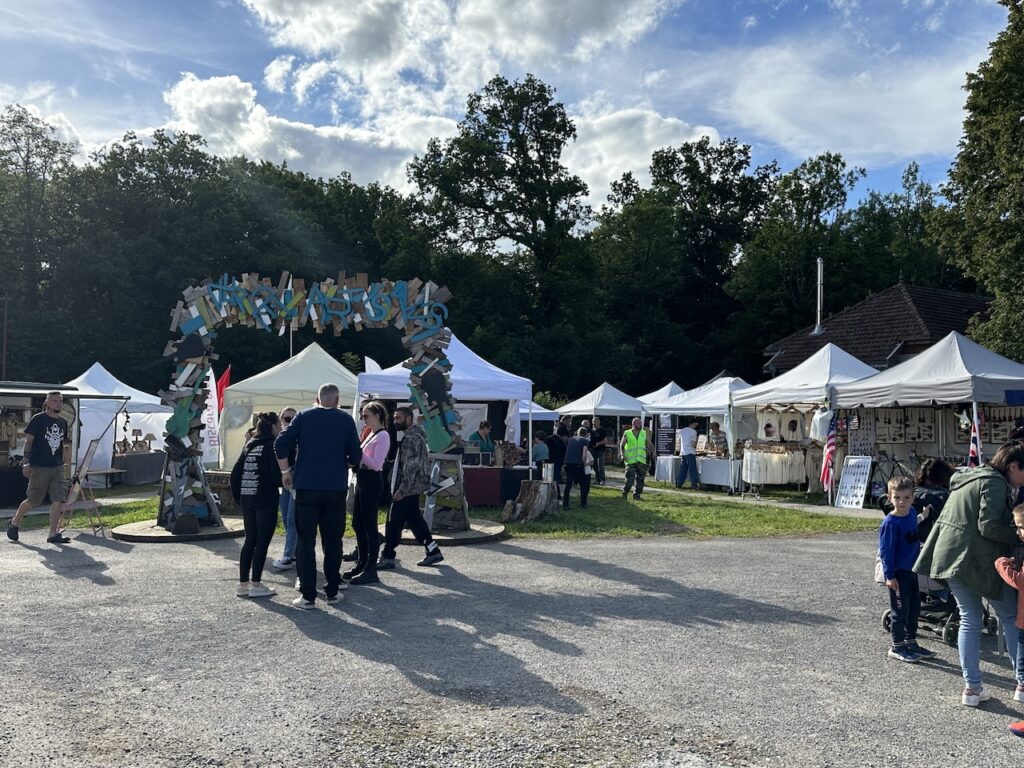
[369, 481]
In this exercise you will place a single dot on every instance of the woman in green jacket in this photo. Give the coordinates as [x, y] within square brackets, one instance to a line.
[975, 528]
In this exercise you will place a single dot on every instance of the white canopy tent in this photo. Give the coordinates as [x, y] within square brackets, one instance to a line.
[711, 399]
[953, 370]
[809, 382]
[669, 390]
[293, 383]
[539, 412]
[606, 400]
[144, 411]
[473, 380]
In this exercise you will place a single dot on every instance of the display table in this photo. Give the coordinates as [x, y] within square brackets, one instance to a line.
[13, 487]
[762, 468]
[493, 486]
[667, 469]
[723, 472]
[140, 468]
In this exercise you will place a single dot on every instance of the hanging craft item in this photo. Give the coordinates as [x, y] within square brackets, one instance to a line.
[415, 308]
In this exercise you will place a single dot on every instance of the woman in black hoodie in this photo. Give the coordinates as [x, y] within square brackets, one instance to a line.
[255, 486]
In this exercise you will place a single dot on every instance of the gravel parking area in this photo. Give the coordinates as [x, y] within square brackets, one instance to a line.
[606, 652]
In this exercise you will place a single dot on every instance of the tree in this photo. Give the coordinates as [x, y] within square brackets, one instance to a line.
[501, 181]
[982, 229]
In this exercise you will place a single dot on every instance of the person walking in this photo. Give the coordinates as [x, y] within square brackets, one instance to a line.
[44, 467]
[287, 504]
[369, 481]
[975, 528]
[688, 456]
[577, 461]
[598, 445]
[255, 487]
[410, 478]
[326, 444]
[634, 449]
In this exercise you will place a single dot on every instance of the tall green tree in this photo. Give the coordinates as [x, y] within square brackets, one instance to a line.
[982, 229]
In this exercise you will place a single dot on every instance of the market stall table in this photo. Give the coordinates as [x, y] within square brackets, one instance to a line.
[140, 468]
[722, 472]
[482, 486]
[667, 469]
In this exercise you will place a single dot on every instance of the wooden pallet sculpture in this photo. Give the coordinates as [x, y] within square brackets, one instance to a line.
[417, 309]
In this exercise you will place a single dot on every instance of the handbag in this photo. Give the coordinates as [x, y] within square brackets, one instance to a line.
[879, 570]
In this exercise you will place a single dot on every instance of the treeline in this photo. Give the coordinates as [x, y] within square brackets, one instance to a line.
[676, 279]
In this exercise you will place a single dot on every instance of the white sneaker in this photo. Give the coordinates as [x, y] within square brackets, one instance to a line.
[283, 563]
[972, 698]
[343, 584]
[1018, 694]
[242, 590]
[303, 603]
[336, 599]
[298, 584]
[260, 590]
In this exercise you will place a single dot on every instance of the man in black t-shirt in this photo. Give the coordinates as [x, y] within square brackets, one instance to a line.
[43, 465]
[598, 443]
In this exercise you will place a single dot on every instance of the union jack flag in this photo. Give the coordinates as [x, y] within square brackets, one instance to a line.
[829, 457]
[974, 457]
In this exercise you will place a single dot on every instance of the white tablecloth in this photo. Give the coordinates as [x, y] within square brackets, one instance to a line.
[774, 468]
[666, 469]
[712, 471]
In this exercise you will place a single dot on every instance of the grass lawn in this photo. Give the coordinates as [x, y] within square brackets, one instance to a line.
[608, 514]
[784, 494]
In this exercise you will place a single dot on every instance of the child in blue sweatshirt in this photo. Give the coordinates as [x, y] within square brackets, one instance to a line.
[898, 548]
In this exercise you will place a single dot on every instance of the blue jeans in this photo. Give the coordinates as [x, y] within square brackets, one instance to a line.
[688, 466]
[1020, 656]
[291, 536]
[971, 625]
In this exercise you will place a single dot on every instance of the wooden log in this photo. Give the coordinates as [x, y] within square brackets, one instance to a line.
[536, 499]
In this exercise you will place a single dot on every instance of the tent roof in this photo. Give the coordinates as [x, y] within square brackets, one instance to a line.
[606, 400]
[711, 398]
[808, 382]
[540, 413]
[953, 370]
[473, 378]
[97, 380]
[302, 375]
[669, 390]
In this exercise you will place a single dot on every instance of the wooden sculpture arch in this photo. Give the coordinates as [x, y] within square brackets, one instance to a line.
[416, 308]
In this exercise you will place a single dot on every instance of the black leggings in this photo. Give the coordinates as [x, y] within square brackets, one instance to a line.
[259, 530]
[364, 517]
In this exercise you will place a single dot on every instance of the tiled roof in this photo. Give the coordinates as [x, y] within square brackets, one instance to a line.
[903, 319]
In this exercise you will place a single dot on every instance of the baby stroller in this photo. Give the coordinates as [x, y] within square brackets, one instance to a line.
[939, 612]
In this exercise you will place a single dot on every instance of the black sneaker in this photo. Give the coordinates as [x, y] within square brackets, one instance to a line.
[386, 564]
[917, 650]
[57, 538]
[432, 559]
[12, 532]
[349, 575]
[366, 577]
[351, 557]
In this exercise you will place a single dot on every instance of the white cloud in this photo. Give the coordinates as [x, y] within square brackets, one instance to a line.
[654, 78]
[277, 72]
[306, 77]
[611, 142]
[749, 22]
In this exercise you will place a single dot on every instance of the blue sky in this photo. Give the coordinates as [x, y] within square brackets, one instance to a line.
[361, 85]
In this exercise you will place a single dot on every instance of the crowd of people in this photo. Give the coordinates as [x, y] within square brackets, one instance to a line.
[299, 462]
[971, 524]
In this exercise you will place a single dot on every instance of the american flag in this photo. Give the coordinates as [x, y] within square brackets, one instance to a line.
[829, 457]
[974, 457]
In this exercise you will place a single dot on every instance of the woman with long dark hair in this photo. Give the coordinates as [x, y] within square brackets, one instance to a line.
[255, 486]
[369, 481]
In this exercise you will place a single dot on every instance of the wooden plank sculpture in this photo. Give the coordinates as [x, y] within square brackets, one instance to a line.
[415, 308]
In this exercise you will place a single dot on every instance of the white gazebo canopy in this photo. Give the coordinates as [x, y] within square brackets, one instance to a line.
[540, 413]
[953, 370]
[606, 400]
[669, 390]
[291, 384]
[809, 382]
[145, 412]
[708, 400]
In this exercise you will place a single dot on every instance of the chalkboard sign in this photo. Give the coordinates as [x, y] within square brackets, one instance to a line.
[665, 439]
[853, 484]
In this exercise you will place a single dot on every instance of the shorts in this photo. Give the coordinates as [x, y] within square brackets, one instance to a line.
[46, 480]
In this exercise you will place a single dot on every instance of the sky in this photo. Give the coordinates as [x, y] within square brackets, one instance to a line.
[361, 85]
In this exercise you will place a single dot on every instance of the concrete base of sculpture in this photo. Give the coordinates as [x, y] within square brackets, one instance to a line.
[480, 532]
[148, 532]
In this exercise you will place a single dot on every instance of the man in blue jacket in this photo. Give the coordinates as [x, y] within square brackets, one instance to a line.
[326, 444]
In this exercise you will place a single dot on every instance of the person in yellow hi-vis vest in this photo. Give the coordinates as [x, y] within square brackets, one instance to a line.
[635, 449]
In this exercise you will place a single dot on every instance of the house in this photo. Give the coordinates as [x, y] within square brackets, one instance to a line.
[884, 329]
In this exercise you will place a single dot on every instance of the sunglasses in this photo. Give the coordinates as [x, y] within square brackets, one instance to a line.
[287, 419]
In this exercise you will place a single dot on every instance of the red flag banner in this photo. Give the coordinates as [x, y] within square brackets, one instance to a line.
[222, 383]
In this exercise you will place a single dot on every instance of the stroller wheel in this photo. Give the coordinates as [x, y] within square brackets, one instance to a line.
[949, 632]
[887, 620]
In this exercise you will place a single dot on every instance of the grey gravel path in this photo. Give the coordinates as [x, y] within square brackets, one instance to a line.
[604, 652]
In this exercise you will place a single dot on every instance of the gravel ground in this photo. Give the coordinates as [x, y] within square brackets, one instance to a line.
[603, 652]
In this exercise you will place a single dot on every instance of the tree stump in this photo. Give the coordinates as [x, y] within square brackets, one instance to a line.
[536, 498]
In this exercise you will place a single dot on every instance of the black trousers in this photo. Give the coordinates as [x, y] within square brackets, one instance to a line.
[905, 609]
[575, 474]
[364, 517]
[323, 510]
[260, 523]
[405, 513]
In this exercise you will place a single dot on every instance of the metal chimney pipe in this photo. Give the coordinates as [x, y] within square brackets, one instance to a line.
[818, 330]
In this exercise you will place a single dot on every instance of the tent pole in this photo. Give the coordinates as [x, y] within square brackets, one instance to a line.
[529, 440]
